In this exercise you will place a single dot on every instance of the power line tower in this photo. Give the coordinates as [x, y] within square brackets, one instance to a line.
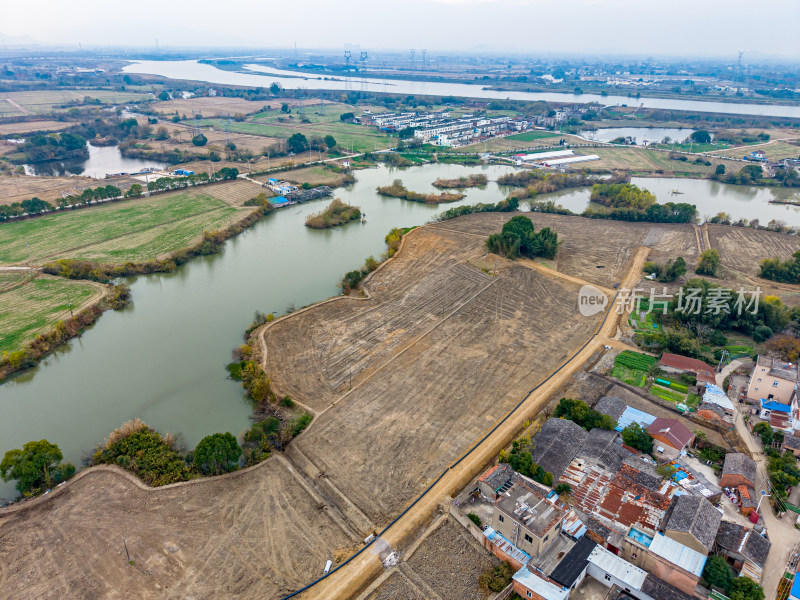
[347, 55]
[363, 67]
[424, 58]
[738, 77]
[413, 52]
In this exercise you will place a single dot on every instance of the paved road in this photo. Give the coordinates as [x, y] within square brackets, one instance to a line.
[782, 534]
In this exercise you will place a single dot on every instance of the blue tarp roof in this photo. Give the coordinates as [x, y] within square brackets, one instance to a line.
[634, 415]
[775, 406]
[795, 587]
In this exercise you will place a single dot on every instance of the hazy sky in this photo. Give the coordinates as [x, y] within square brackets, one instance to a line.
[638, 27]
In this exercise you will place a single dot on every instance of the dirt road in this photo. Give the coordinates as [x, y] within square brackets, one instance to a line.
[347, 581]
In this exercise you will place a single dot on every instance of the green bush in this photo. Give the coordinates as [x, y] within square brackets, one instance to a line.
[216, 454]
[148, 455]
[36, 467]
[475, 519]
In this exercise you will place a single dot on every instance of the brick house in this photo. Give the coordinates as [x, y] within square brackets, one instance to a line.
[738, 469]
[693, 521]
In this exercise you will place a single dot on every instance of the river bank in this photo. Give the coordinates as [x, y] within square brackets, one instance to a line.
[165, 354]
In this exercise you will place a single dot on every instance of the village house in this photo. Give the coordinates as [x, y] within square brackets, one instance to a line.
[791, 444]
[739, 478]
[716, 405]
[692, 521]
[772, 383]
[738, 469]
[744, 549]
[569, 573]
[527, 518]
[529, 583]
[671, 436]
[677, 364]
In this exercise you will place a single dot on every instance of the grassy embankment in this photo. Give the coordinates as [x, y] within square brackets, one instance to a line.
[336, 213]
[398, 190]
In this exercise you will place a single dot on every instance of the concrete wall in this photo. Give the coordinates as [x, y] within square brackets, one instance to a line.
[673, 574]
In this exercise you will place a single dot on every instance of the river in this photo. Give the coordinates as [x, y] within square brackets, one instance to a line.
[102, 161]
[263, 76]
[163, 358]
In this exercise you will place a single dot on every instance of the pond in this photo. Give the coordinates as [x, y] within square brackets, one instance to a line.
[640, 135]
[710, 197]
[102, 161]
[163, 358]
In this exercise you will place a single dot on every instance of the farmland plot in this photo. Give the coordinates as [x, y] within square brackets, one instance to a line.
[33, 305]
[437, 355]
[137, 229]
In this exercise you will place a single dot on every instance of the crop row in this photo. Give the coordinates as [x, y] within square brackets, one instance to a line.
[634, 360]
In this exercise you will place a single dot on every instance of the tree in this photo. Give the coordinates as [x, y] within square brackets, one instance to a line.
[348, 116]
[635, 436]
[330, 141]
[199, 140]
[708, 263]
[297, 143]
[164, 96]
[717, 572]
[275, 88]
[764, 431]
[720, 170]
[744, 588]
[285, 108]
[563, 489]
[701, 136]
[162, 134]
[36, 467]
[217, 453]
[786, 346]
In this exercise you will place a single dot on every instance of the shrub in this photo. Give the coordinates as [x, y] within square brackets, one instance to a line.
[199, 140]
[496, 579]
[637, 437]
[217, 453]
[475, 519]
[138, 448]
[717, 572]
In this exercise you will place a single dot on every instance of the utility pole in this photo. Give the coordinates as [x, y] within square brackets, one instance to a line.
[125, 543]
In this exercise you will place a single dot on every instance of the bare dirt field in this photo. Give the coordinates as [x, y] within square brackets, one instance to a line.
[581, 254]
[181, 139]
[439, 354]
[17, 188]
[742, 249]
[216, 106]
[642, 160]
[397, 587]
[257, 533]
[27, 127]
[450, 562]
[317, 175]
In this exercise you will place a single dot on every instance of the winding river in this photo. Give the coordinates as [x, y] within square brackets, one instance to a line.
[263, 76]
[163, 358]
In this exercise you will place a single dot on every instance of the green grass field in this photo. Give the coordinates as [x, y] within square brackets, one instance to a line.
[667, 394]
[642, 160]
[529, 136]
[35, 307]
[131, 230]
[629, 376]
[275, 124]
